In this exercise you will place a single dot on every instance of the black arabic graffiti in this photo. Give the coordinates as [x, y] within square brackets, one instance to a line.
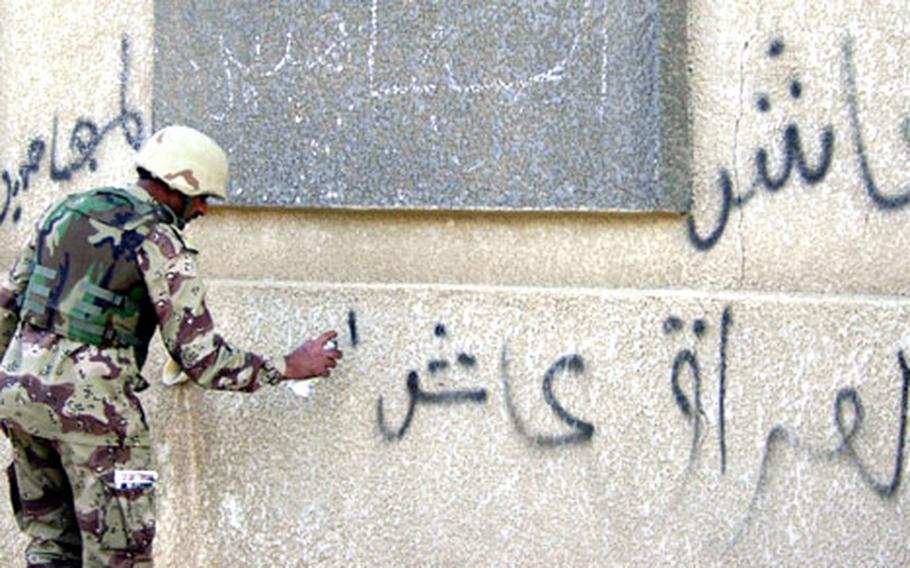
[849, 396]
[881, 200]
[582, 431]
[847, 401]
[847, 404]
[84, 140]
[687, 357]
[693, 410]
[352, 328]
[794, 156]
[418, 396]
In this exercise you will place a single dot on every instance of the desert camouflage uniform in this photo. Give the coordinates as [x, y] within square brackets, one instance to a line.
[67, 388]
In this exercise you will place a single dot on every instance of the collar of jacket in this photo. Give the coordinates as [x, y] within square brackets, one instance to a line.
[165, 213]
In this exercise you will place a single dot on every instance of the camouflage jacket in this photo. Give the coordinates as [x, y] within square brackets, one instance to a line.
[60, 388]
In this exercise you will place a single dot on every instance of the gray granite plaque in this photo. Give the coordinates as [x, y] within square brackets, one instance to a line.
[420, 104]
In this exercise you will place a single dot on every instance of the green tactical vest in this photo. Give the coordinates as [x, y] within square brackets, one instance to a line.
[86, 284]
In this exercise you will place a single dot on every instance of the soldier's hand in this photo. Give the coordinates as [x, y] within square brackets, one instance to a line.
[313, 358]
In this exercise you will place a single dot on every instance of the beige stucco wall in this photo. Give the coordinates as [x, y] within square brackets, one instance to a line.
[811, 278]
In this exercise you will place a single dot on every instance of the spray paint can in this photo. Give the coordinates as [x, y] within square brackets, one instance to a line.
[305, 388]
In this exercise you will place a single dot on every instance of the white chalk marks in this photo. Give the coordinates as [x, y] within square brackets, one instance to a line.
[515, 85]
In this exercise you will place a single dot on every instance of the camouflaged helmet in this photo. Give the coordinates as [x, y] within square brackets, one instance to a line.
[187, 160]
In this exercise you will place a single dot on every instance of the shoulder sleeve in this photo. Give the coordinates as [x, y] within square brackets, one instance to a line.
[187, 328]
[12, 287]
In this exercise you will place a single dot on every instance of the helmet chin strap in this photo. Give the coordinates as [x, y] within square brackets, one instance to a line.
[187, 203]
[181, 215]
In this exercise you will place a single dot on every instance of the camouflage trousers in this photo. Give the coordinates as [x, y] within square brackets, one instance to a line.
[64, 497]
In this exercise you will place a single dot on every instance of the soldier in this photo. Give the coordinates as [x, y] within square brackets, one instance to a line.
[102, 270]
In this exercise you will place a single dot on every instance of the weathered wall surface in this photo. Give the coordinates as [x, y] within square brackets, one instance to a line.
[723, 388]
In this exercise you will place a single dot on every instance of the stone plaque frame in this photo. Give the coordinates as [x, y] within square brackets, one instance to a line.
[392, 104]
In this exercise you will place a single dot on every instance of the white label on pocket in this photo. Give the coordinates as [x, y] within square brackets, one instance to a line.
[134, 478]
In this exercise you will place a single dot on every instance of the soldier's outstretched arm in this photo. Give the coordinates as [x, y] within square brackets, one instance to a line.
[186, 325]
[12, 287]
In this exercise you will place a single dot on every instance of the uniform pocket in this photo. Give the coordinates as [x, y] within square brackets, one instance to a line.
[129, 519]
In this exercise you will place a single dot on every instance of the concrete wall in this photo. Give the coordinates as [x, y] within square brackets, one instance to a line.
[732, 383]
